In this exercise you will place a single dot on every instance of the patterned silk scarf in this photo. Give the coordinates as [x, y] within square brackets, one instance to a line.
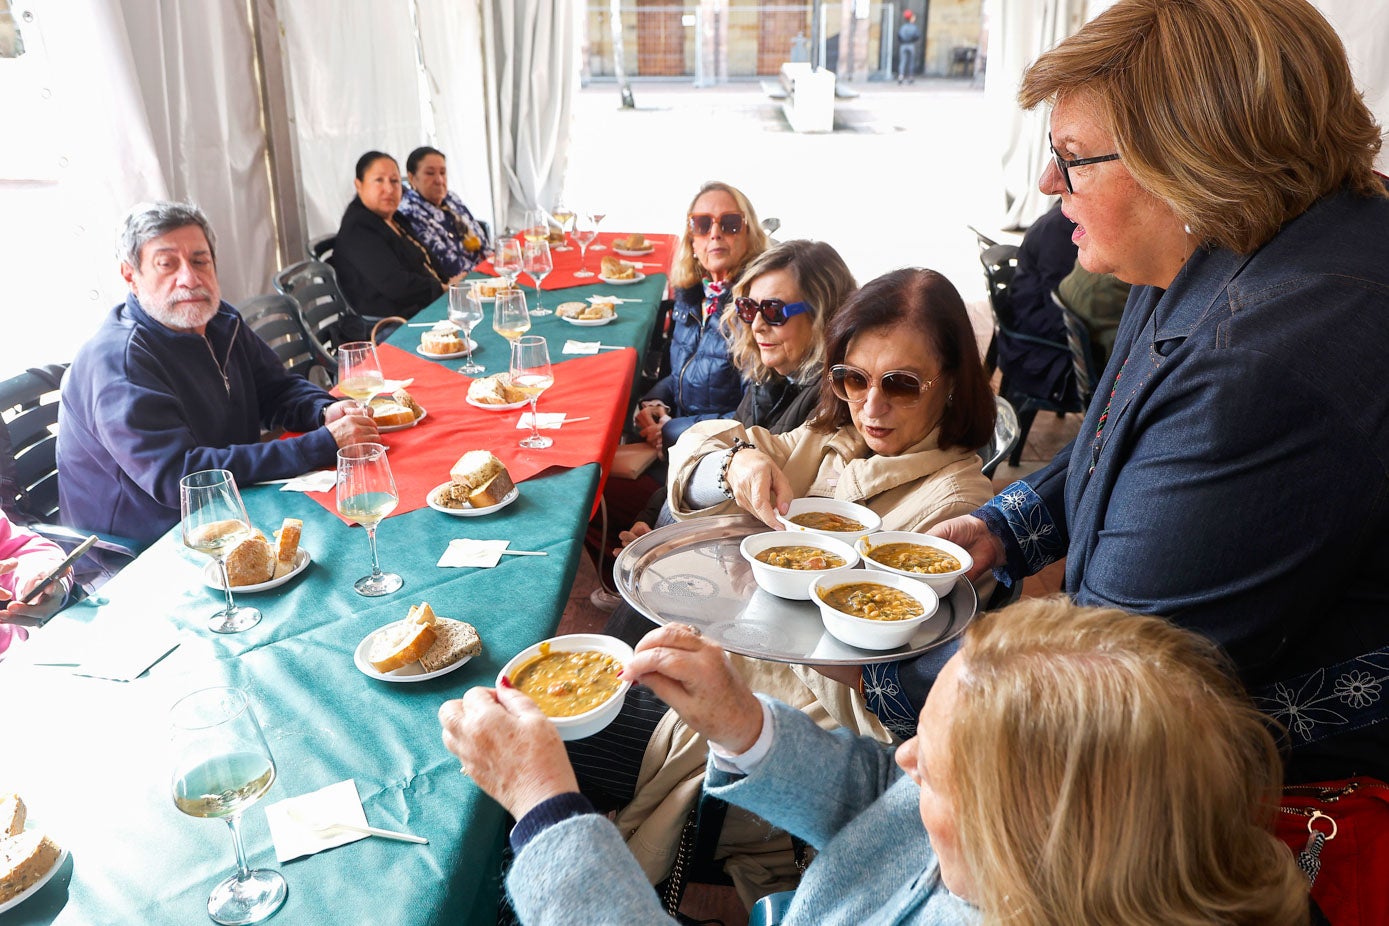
[713, 292]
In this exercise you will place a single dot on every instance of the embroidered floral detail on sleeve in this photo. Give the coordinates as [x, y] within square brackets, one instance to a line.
[1026, 518]
[883, 693]
[1331, 700]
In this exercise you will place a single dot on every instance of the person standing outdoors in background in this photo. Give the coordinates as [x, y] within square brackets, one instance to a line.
[907, 36]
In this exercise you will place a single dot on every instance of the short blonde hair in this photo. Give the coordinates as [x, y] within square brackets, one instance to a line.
[1108, 768]
[824, 282]
[1239, 114]
[684, 269]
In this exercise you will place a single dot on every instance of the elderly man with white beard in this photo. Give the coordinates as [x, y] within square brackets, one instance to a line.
[173, 382]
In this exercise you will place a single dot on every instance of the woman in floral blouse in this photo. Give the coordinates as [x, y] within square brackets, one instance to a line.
[438, 219]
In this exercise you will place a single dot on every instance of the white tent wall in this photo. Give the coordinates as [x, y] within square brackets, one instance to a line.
[1020, 30]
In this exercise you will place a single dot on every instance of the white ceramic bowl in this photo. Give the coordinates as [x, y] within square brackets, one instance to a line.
[865, 516]
[792, 583]
[589, 722]
[870, 634]
[940, 582]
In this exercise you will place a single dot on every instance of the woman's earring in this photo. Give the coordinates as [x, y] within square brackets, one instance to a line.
[1187, 228]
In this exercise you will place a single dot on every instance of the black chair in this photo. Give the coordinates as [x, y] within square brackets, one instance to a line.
[321, 248]
[657, 361]
[323, 310]
[1081, 374]
[29, 473]
[1000, 263]
[275, 317]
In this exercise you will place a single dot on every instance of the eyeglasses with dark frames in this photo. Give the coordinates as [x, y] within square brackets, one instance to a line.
[898, 386]
[701, 223]
[1065, 166]
[774, 311]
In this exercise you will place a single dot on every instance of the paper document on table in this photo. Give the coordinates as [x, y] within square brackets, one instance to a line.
[319, 481]
[294, 838]
[468, 552]
[118, 649]
[544, 421]
[581, 347]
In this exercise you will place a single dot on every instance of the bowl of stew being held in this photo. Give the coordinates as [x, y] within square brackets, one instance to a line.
[828, 516]
[574, 680]
[938, 563]
[785, 562]
[873, 609]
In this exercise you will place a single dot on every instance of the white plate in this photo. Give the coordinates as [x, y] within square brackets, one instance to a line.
[456, 355]
[636, 279]
[510, 497]
[212, 575]
[25, 894]
[590, 322]
[424, 413]
[626, 253]
[414, 672]
[508, 407]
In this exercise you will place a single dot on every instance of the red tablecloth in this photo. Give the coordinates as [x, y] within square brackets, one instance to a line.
[595, 387]
[567, 262]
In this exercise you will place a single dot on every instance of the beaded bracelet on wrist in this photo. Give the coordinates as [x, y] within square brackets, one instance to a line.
[724, 487]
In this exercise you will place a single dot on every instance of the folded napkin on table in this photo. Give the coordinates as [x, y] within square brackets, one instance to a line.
[543, 421]
[337, 803]
[322, 480]
[466, 552]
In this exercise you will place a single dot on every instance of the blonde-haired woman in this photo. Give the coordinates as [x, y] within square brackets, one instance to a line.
[1231, 470]
[721, 234]
[1072, 766]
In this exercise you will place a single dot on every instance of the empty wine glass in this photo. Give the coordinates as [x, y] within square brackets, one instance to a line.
[366, 494]
[222, 765]
[598, 220]
[509, 316]
[507, 260]
[538, 263]
[359, 372]
[532, 374]
[465, 311]
[585, 229]
[564, 216]
[214, 522]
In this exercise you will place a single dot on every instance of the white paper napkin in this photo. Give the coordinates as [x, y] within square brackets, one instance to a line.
[120, 650]
[322, 480]
[467, 552]
[581, 347]
[545, 421]
[337, 803]
[610, 299]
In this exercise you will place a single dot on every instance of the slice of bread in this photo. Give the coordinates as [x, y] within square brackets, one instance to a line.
[441, 342]
[402, 397]
[251, 562]
[12, 815]
[453, 640]
[493, 491]
[475, 469]
[614, 268]
[494, 390]
[287, 545]
[389, 413]
[402, 643]
[24, 859]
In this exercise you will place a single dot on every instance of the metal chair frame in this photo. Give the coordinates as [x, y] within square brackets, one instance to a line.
[275, 317]
[323, 309]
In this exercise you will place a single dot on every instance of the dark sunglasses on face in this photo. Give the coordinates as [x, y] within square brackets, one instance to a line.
[774, 311]
[701, 223]
[898, 386]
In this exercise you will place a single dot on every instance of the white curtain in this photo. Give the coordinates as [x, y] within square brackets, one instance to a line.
[1364, 29]
[533, 72]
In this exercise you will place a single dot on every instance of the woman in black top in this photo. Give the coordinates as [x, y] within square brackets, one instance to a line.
[382, 270]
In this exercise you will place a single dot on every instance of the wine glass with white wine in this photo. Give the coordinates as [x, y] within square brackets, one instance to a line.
[214, 521]
[509, 316]
[359, 372]
[222, 765]
[366, 494]
[532, 374]
[538, 263]
[465, 311]
[537, 227]
[563, 215]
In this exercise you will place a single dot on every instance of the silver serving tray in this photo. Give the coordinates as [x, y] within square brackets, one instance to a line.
[692, 572]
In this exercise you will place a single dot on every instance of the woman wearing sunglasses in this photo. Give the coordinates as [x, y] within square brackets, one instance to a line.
[721, 235]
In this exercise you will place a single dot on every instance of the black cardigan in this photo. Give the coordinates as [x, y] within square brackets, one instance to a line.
[381, 273]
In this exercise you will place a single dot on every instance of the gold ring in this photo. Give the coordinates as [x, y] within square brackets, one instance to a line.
[693, 629]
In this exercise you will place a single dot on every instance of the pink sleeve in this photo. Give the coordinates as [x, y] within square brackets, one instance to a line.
[17, 542]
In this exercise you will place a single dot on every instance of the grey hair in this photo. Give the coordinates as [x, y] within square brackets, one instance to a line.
[147, 221]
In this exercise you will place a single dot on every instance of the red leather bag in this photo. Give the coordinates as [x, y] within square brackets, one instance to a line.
[1352, 816]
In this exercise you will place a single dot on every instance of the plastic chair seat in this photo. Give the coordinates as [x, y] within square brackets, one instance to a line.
[275, 318]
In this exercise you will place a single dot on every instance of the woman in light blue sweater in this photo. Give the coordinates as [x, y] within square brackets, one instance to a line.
[1072, 765]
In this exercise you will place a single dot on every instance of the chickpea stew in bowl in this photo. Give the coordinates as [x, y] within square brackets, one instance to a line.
[933, 560]
[831, 517]
[784, 563]
[574, 679]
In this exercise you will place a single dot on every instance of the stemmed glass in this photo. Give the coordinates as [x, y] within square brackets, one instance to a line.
[598, 220]
[214, 522]
[564, 216]
[465, 311]
[532, 374]
[366, 494]
[359, 372]
[507, 260]
[538, 264]
[509, 316]
[221, 766]
[537, 227]
[585, 229]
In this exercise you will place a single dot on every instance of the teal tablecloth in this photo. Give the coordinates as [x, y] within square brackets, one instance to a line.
[90, 756]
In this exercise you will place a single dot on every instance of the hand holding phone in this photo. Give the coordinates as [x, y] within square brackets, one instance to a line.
[58, 571]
